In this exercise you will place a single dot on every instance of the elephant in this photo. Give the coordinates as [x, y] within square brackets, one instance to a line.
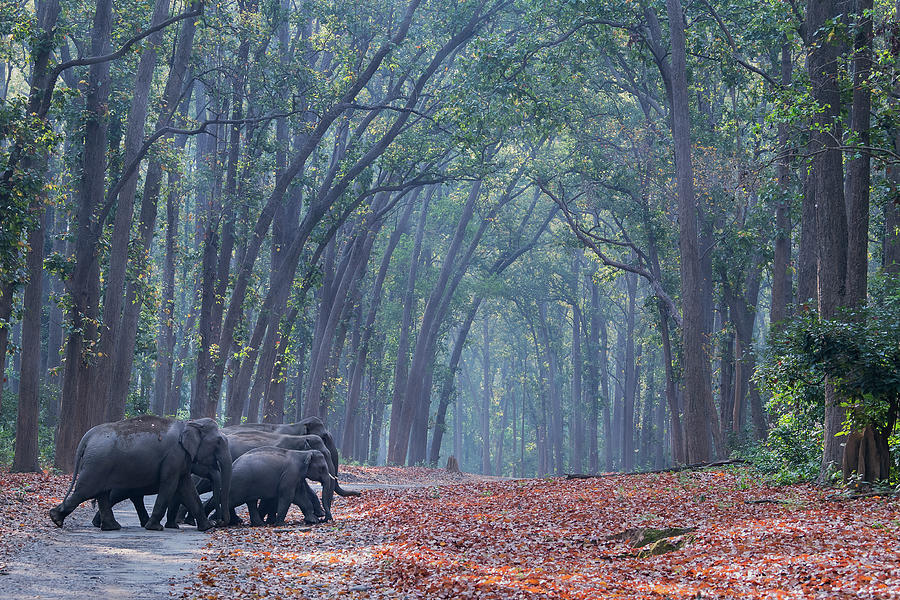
[308, 426]
[241, 441]
[211, 476]
[277, 475]
[146, 454]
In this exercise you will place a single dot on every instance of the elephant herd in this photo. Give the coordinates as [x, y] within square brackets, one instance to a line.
[264, 466]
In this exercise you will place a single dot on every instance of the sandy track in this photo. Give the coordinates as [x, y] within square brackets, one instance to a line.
[80, 562]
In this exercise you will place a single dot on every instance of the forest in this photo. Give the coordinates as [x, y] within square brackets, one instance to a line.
[539, 237]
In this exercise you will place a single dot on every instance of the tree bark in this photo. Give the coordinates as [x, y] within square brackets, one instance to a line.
[359, 367]
[25, 459]
[486, 397]
[593, 377]
[697, 391]
[859, 165]
[80, 409]
[831, 213]
[577, 421]
[165, 345]
[114, 294]
[631, 383]
[781, 272]
[607, 399]
[396, 455]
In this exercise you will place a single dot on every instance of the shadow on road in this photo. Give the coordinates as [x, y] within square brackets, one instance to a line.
[81, 562]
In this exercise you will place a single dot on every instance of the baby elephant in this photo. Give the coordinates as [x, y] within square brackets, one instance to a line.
[278, 476]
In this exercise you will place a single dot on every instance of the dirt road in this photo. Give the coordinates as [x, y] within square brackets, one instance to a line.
[80, 562]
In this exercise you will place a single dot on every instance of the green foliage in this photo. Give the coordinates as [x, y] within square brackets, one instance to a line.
[792, 452]
[859, 352]
[46, 432]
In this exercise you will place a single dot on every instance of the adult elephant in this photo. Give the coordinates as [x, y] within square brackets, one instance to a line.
[149, 454]
[210, 475]
[278, 476]
[308, 426]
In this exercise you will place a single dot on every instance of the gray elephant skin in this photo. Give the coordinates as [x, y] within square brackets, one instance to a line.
[307, 426]
[244, 439]
[146, 455]
[278, 476]
[240, 441]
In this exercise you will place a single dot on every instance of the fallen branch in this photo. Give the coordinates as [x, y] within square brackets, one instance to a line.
[679, 468]
[766, 501]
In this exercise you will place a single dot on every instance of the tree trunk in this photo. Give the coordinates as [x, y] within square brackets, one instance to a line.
[114, 280]
[25, 459]
[396, 454]
[607, 400]
[781, 272]
[80, 409]
[831, 214]
[593, 376]
[727, 366]
[858, 165]
[54, 328]
[807, 279]
[697, 391]
[486, 394]
[508, 398]
[631, 383]
[555, 437]
[7, 295]
[359, 366]
[577, 421]
[165, 345]
[447, 387]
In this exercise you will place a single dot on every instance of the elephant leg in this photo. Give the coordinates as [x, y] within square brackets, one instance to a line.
[107, 519]
[255, 519]
[314, 503]
[166, 494]
[302, 499]
[72, 501]
[284, 503]
[191, 499]
[216, 484]
[172, 514]
[140, 509]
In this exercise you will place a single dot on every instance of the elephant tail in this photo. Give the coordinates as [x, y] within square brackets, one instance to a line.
[79, 454]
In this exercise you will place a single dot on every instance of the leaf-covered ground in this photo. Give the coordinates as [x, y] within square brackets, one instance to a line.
[25, 499]
[455, 536]
[550, 538]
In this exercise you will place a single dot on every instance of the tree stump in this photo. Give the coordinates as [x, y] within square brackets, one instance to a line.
[452, 465]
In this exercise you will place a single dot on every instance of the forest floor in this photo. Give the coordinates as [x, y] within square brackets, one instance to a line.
[420, 533]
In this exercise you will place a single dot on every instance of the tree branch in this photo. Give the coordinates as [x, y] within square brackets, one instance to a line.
[80, 62]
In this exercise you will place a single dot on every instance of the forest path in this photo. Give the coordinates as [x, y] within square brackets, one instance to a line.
[41, 561]
[80, 562]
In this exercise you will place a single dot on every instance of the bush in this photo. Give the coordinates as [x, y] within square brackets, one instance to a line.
[792, 453]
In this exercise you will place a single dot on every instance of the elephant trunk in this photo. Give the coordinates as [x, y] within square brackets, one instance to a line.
[328, 439]
[342, 492]
[328, 484]
[223, 457]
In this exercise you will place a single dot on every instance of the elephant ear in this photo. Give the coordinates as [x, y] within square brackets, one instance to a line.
[306, 460]
[190, 438]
